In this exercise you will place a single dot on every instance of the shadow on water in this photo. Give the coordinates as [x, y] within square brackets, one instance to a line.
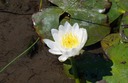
[92, 67]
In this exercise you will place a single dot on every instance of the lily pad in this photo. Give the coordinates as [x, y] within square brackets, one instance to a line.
[92, 67]
[66, 5]
[45, 20]
[119, 55]
[117, 51]
[95, 23]
[123, 4]
[115, 11]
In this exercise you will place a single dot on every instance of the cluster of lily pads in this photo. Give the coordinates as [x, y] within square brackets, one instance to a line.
[106, 21]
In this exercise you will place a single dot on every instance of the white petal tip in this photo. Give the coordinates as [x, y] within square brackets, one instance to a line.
[44, 40]
[55, 51]
[67, 22]
[62, 58]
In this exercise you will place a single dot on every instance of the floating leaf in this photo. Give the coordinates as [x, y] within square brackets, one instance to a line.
[67, 67]
[45, 20]
[122, 4]
[119, 55]
[94, 22]
[66, 5]
[92, 67]
[114, 12]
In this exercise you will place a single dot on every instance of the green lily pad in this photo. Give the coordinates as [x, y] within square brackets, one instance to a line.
[45, 20]
[66, 68]
[117, 51]
[119, 55]
[66, 5]
[115, 11]
[94, 23]
[91, 67]
[123, 4]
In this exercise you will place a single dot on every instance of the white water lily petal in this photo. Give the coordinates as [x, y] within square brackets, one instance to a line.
[55, 35]
[61, 31]
[83, 38]
[76, 27]
[54, 32]
[57, 52]
[63, 58]
[68, 54]
[75, 51]
[71, 52]
[67, 25]
[50, 44]
[61, 28]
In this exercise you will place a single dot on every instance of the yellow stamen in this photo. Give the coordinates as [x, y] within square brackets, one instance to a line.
[70, 40]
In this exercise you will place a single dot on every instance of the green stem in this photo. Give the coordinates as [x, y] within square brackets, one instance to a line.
[41, 5]
[73, 63]
[18, 56]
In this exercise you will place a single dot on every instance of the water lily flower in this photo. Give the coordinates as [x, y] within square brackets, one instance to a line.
[68, 41]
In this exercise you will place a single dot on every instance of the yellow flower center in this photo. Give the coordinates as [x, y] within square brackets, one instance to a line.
[70, 40]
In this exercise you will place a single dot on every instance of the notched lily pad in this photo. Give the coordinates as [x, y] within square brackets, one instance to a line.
[117, 51]
[119, 55]
[94, 22]
[45, 20]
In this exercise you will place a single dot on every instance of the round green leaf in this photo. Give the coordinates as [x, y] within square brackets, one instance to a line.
[117, 51]
[119, 55]
[45, 20]
[94, 23]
